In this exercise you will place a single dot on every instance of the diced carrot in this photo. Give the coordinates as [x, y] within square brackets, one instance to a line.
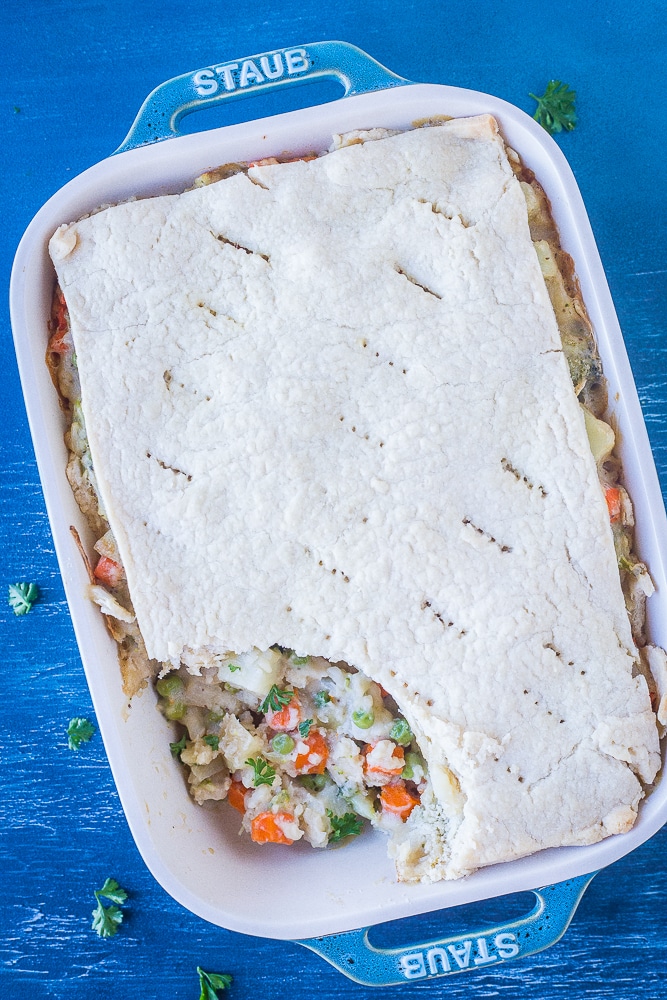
[317, 747]
[613, 497]
[398, 800]
[287, 718]
[236, 796]
[397, 755]
[109, 572]
[264, 828]
[57, 343]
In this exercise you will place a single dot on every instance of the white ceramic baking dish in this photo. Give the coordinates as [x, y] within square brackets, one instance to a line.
[195, 854]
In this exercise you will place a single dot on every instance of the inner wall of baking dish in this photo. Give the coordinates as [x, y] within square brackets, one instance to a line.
[196, 854]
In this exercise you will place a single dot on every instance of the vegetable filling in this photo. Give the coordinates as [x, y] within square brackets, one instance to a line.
[314, 756]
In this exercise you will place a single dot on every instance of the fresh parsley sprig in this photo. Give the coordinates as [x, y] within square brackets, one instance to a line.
[348, 825]
[79, 731]
[107, 919]
[555, 108]
[211, 982]
[276, 699]
[22, 596]
[264, 773]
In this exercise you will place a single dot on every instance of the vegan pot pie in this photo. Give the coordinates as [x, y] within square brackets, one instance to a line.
[349, 508]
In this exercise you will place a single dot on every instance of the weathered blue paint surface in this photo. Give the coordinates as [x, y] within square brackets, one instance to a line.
[74, 75]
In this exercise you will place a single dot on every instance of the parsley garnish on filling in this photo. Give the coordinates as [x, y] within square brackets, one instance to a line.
[264, 773]
[276, 699]
[304, 727]
[348, 825]
[178, 748]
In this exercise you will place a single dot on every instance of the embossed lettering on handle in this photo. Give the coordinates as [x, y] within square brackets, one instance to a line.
[353, 954]
[355, 70]
[251, 72]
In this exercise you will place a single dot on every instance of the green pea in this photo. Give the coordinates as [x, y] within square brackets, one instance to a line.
[170, 686]
[171, 689]
[313, 782]
[282, 743]
[401, 733]
[412, 761]
[175, 710]
[362, 719]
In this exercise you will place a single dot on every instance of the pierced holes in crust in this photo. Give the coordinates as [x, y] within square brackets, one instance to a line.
[169, 468]
[486, 534]
[520, 478]
[239, 246]
[413, 281]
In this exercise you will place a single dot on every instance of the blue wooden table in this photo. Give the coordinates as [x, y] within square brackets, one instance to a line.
[74, 74]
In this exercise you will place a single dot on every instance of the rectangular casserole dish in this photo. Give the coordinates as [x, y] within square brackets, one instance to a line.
[194, 854]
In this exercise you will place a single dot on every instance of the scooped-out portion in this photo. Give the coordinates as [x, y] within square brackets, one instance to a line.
[339, 426]
[321, 753]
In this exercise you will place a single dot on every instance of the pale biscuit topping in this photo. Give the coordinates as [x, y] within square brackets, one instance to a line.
[328, 408]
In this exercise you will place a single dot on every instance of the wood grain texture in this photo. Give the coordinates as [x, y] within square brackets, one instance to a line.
[74, 75]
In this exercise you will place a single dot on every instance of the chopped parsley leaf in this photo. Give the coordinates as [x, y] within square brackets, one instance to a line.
[555, 108]
[79, 731]
[178, 748]
[276, 699]
[107, 919]
[305, 727]
[211, 982]
[22, 596]
[264, 773]
[348, 825]
[212, 741]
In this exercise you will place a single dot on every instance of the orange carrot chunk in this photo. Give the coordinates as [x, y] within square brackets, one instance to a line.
[57, 343]
[107, 571]
[613, 497]
[286, 718]
[264, 828]
[398, 800]
[306, 763]
[397, 756]
[236, 796]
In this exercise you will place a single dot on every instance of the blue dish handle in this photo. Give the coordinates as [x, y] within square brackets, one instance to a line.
[162, 110]
[353, 954]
